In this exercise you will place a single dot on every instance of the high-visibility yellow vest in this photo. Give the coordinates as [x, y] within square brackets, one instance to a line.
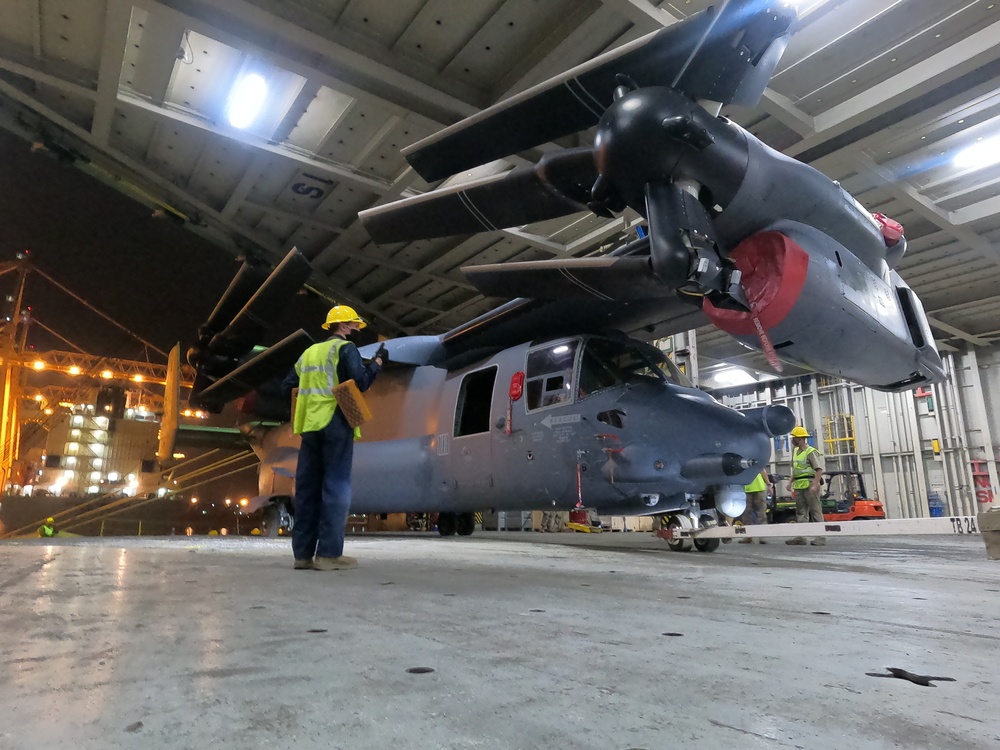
[757, 485]
[317, 371]
[46, 530]
[802, 471]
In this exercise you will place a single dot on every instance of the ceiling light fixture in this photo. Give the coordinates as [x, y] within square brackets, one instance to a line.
[733, 376]
[981, 154]
[246, 100]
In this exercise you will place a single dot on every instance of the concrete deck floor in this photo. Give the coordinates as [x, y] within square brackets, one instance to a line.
[536, 641]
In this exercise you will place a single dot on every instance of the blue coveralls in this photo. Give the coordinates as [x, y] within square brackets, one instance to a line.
[323, 475]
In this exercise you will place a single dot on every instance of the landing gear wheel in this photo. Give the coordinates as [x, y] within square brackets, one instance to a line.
[466, 524]
[270, 521]
[679, 545]
[707, 545]
[447, 524]
[275, 520]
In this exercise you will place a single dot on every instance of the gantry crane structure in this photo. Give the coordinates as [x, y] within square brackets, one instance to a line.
[89, 372]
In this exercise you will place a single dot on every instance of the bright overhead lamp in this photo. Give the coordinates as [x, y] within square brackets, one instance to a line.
[984, 153]
[734, 376]
[246, 100]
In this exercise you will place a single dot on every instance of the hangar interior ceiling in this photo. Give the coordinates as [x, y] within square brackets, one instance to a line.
[878, 94]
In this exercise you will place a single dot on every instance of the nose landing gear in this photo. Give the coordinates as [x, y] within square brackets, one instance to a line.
[673, 527]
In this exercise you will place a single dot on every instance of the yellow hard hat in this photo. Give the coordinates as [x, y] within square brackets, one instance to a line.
[255, 532]
[213, 532]
[799, 432]
[343, 314]
[50, 519]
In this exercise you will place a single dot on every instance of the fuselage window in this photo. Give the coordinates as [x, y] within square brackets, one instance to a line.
[475, 398]
[549, 375]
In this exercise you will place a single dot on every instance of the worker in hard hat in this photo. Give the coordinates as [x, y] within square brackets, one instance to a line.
[807, 471]
[323, 474]
[756, 510]
[48, 529]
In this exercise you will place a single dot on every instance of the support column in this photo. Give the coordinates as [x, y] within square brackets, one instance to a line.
[982, 450]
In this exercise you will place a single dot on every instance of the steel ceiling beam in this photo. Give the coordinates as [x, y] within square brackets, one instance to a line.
[343, 173]
[117, 16]
[366, 75]
[963, 57]
[957, 332]
[328, 287]
[926, 208]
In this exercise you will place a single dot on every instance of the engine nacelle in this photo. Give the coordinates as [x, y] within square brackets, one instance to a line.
[794, 293]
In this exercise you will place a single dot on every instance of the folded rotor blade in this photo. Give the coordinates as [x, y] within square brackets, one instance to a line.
[604, 278]
[250, 323]
[247, 281]
[273, 362]
[558, 185]
[725, 54]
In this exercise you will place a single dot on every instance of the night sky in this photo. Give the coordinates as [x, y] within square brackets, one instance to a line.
[153, 276]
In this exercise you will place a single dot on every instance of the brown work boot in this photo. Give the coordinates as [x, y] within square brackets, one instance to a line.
[796, 540]
[306, 564]
[335, 563]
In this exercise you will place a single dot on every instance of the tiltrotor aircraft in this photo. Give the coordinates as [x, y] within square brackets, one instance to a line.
[523, 408]
[546, 401]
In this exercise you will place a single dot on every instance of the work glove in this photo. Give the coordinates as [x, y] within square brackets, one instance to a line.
[382, 354]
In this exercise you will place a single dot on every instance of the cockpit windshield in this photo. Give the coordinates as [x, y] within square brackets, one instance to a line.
[607, 362]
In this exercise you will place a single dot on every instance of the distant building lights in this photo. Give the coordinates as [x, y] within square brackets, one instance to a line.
[39, 397]
[179, 455]
[48, 412]
[194, 501]
[246, 100]
[984, 153]
[244, 502]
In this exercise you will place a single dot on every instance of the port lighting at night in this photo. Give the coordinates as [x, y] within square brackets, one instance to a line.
[246, 100]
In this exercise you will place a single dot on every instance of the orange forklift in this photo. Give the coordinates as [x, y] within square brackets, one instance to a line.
[844, 498]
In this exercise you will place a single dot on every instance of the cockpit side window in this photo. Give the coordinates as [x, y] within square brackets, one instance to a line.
[606, 362]
[549, 374]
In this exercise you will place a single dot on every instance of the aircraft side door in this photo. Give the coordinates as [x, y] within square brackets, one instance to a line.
[471, 453]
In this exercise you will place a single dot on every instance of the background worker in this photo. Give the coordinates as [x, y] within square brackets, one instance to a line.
[323, 473]
[756, 511]
[807, 471]
[47, 529]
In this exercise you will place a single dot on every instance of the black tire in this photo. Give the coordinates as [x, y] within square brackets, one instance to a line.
[447, 524]
[707, 545]
[678, 545]
[466, 524]
[270, 521]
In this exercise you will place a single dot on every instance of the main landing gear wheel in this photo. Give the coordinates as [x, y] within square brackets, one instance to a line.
[447, 524]
[270, 521]
[706, 545]
[679, 522]
[466, 524]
